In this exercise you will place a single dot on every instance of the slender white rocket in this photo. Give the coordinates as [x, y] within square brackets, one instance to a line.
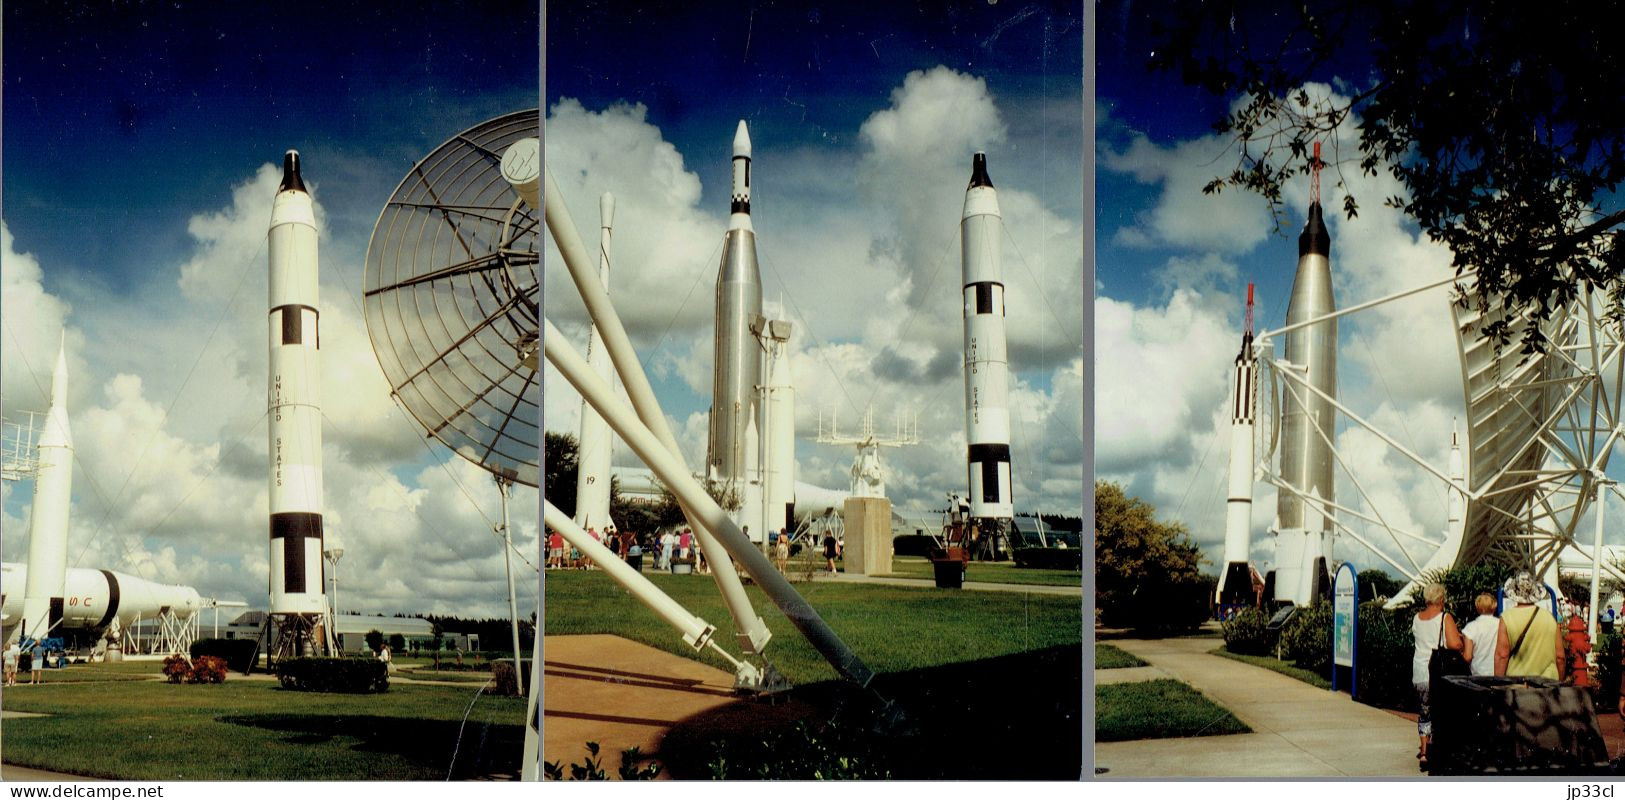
[736, 364]
[1237, 583]
[297, 584]
[592, 476]
[43, 603]
[987, 369]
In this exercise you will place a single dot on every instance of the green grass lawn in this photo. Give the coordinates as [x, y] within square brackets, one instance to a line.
[1159, 709]
[987, 572]
[892, 628]
[254, 730]
[1275, 665]
[1108, 657]
[958, 667]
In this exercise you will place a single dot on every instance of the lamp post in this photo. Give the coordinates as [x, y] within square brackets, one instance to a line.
[333, 555]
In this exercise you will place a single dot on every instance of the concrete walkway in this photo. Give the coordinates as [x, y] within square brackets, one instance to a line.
[1298, 730]
[12, 772]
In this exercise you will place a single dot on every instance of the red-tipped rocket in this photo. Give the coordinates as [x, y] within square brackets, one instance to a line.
[43, 588]
[294, 401]
[987, 369]
[737, 363]
[1236, 586]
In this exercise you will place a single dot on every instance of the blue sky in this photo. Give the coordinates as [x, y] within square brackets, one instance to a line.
[863, 121]
[141, 150]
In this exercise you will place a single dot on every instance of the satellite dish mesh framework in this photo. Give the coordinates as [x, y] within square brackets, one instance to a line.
[1540, 430]
[451, 299]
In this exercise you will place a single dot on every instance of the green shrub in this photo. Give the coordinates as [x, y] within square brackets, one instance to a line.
[1609, 653]
[1306, 639]
[1245, 633]
[397, 643]
[1383, 650]
[1048, 558]
[375, 640]
[910, 544]
[1375, 583]
[346, 675]
[1463, 585]
[238, 654]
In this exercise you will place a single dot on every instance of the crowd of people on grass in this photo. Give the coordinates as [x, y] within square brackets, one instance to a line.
[1525, 640]
[670, 548]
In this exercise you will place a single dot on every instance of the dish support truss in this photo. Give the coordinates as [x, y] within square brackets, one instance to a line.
[1540, 432]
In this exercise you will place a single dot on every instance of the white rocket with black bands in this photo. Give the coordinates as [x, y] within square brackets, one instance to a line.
[737, 365]
[987, 368]
[1237, 583]
[44, 587]
[297, 585]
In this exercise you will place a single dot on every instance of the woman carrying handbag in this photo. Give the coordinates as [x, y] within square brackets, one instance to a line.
[1438, 653]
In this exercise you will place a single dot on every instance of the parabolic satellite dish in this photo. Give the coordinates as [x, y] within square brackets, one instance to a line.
[451, 299]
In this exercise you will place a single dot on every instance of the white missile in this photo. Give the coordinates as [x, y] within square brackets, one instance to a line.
[987, 369]
[93, 598]
[43, 595]
[592, 475]
[1237, 584]
[737, 363]
[297, 583]
[778, 410]
[1303, 542]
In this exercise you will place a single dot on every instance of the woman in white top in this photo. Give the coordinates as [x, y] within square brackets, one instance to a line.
[1432, 627]
[1481, 636]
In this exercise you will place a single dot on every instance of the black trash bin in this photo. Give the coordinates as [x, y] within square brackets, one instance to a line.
[1514, 725]
[635, 562]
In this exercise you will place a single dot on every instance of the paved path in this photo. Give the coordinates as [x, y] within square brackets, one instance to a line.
[970, 586]
[1299, 730]
[12, 772]
[619, 693]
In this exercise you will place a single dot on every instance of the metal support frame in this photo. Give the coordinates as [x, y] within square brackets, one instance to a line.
[646, 432]
[1559, 425]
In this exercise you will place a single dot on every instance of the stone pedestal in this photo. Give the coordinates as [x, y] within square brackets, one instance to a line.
[868, 535]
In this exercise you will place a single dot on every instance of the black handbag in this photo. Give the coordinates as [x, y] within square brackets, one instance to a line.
[1445, 661]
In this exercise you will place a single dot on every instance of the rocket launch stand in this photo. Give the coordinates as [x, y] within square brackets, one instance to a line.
[295, 636]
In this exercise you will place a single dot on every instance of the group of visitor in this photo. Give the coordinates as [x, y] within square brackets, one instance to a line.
[628, 545]
[1522, 642]
[30, 659]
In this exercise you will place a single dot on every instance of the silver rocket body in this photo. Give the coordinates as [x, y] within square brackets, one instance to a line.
[1307, 423]
[294, 402]
[43, 589]
[737, 360]
[987, 366]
